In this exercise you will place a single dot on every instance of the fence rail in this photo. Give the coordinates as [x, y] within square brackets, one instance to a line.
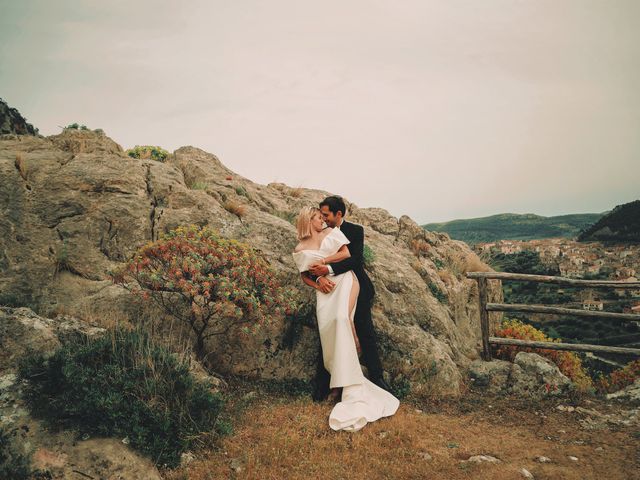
[486, 307]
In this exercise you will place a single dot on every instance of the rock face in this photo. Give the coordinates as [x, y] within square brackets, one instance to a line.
[12, 122]
[73, 206]
[58, 454]
[530, 375]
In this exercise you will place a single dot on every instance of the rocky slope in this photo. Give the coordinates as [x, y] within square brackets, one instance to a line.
[73, 206]
[12, 122]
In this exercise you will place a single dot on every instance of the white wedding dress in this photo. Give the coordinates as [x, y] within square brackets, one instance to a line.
[362, 400]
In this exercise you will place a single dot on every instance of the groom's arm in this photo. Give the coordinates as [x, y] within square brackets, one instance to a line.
[356, 248]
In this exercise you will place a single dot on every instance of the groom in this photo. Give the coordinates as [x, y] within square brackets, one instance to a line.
[333, 210]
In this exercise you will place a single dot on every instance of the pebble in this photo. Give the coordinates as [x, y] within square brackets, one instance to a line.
[543, 459]
[482, 458]
[572, 458]
[425, 456]
[526, 473]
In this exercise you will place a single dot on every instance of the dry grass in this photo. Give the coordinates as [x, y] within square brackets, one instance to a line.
[238, 209]
[461, 262]
[296, 192]
[21, 165]
[447, 277]
[289, 438]
[420, 247]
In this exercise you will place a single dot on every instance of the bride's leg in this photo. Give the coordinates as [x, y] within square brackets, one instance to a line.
[353, 300]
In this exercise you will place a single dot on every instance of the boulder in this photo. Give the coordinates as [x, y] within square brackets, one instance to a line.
[530, 375]
[75, 206]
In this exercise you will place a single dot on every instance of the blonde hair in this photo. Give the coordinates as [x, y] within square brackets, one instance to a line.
[303, 224]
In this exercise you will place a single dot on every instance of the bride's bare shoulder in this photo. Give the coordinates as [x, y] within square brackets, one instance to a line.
[301, 246]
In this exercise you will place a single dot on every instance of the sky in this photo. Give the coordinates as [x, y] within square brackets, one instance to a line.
[439, 110]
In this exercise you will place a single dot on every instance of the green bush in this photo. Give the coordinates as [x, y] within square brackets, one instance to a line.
[124, 385]
[75, 126]
[13, 464]
[436, 292]
[368, 256]
[148, 151]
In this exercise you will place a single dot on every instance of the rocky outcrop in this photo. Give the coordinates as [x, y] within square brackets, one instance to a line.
[73, 206]
[530, 375]
[12, 122]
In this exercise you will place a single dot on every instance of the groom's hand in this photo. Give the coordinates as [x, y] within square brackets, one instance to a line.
[325, 285]
[319, 270]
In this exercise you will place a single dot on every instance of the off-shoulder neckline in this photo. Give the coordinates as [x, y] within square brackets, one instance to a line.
[321, 242]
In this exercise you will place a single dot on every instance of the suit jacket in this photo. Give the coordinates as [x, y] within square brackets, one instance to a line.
[355, 235]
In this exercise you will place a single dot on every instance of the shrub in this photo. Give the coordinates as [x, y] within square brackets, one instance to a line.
[240, 190]
[569, 363]
[148, 151]
[13, 464]
[368, 256]
[618, 379]
[124, 385]
[75, 126]
[211, 283]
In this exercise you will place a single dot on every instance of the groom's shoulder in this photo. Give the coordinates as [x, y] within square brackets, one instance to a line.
[353, 225]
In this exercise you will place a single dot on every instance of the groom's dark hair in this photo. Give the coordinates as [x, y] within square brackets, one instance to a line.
[335, 204]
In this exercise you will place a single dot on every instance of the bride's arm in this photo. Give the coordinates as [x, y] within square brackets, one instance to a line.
[340, 255]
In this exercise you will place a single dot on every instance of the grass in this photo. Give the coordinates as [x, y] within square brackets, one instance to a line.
[236, 208]
[199, 186]
[288, 437]
[21, 165]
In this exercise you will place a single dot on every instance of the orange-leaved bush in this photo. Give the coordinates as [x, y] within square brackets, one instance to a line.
[618, 379]
[210, 282]
[568, 362]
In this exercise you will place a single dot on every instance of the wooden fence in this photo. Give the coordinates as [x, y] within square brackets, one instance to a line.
[486, 307]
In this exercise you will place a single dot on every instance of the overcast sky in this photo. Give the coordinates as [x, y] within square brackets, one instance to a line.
[436, 109]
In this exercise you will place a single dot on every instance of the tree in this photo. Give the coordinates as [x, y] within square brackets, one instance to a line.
[211, 283]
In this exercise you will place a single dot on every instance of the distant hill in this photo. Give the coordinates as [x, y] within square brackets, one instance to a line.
[622, 224]
[512, 226]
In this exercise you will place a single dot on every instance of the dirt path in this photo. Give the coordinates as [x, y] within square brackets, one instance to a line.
[282, 437]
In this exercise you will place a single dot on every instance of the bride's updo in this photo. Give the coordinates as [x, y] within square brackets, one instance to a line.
[303, 224]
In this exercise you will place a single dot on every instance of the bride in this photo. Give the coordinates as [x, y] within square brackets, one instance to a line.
[362, 401]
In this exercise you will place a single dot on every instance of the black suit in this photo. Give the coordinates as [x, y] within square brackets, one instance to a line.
[364, 325]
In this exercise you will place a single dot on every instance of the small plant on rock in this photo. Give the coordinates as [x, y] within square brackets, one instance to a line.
[148, 151]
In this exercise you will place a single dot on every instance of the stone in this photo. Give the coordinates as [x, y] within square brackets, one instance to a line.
[482, 458]
[425, 456]
[628, 393]
[526, 473]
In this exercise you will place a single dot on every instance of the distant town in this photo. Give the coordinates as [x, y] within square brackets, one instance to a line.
[573, 259]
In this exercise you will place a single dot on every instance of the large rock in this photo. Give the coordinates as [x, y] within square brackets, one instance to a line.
[530, 375]
[75, 206]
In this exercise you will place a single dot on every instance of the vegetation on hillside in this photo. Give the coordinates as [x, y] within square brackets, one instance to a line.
[509, 226]
[622, 224]
[126, 386]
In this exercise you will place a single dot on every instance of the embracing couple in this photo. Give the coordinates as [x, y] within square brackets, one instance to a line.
[330, 260]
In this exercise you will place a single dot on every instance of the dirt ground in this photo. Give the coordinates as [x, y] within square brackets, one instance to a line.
[278, 436]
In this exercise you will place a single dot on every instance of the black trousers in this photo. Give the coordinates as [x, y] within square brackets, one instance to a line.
[368, 343]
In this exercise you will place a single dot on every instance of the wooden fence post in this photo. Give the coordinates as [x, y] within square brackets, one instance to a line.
[484, 319]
